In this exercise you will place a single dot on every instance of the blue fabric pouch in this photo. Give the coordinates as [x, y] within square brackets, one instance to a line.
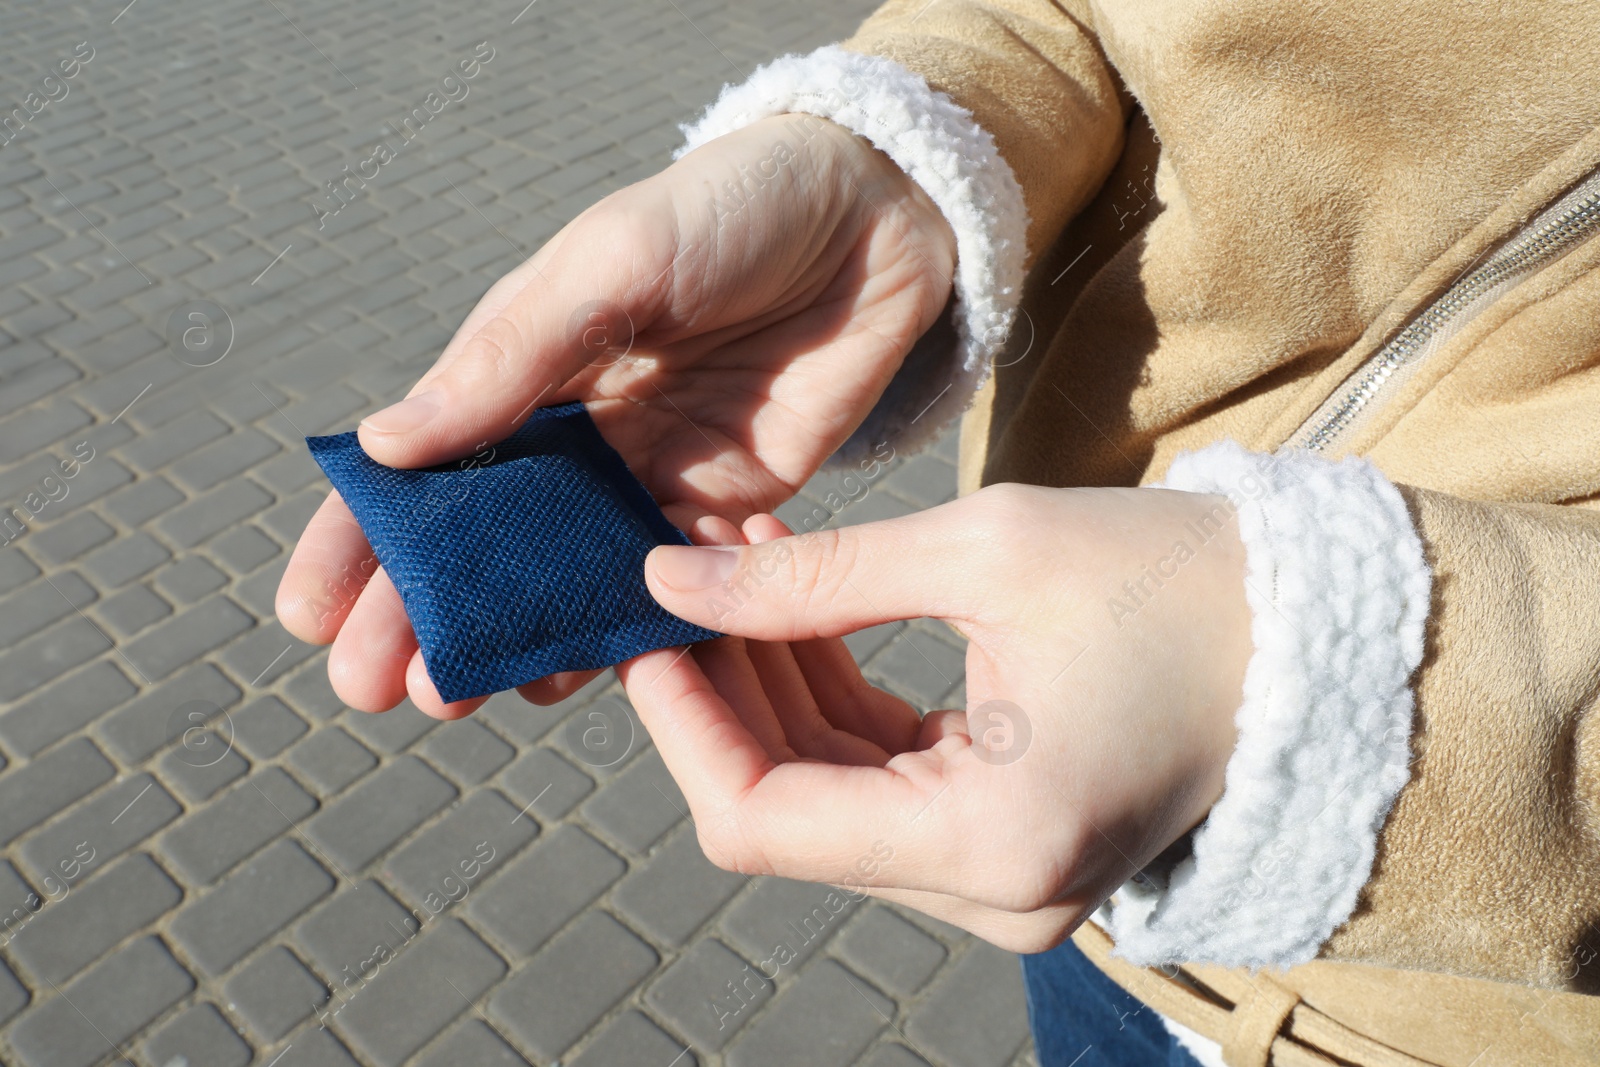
[522, 561]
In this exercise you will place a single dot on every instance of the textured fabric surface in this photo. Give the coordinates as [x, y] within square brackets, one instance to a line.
[1339, 594]
[521, 561]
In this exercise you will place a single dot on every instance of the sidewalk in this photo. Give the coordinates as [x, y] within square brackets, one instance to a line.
[209, 861]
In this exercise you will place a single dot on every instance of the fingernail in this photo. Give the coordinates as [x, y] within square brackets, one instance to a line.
[695, 568]
[405, 416]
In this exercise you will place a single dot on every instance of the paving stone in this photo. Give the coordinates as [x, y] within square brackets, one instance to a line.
[136, 504]
[197, 778]
[187, 636]
[788, 1033]
[893, 1056]
[213, 838]
[918, 667]
[571, 983]
[64, 707]
[329, 760]
[110, 823]
[473, 1043]
[265, 727]
[389, 731]
[109, 1004]
[308, 691]
[530, 899]
[219, 928]
[315, 1047]
[13, 994]
[72, 537]
[159, 717]
[360, 922]
[543, 783]
[132, 610]
[974, 1013]
[214, 511]
[287, 521]
[365, 822]
[198, 1035]
[709, 993]
[176, 439]
[48, 655]
[467, 752]
[244, 548]
[781, 914]
[189, 579]
[40, 426]
[15, 569]
[33, 607]
[397, 1010]
[640, 805]
[450, 858]
[677, 890]
[266, 652]
[223, 458]
[924, 481]
[288, 473]
[893, 953]
[71, 932]
[526, 723]
[633, 1038]
[18, 901]
[273, 992]
[32, 793]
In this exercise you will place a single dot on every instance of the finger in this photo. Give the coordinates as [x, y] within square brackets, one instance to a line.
[830, 673]
[807, 820]
[702, 530]
[367, 665]
[427, 699]
[806, 728]
[713, 530]
[596, 291]
[554, 688]
[832, 582]
[936, 726]
[330, 566]
[711, 754]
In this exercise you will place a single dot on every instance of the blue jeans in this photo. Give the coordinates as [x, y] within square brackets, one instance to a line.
[1081, 1018]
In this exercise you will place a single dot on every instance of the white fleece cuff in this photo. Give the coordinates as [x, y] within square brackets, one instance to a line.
[1339, 592]
[943, 149]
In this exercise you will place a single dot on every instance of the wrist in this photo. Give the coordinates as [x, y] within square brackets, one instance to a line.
[1214, 628]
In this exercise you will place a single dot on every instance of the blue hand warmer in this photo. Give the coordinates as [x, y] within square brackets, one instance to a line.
[522, 561]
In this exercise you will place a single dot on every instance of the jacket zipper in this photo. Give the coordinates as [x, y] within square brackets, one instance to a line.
[1550, 235]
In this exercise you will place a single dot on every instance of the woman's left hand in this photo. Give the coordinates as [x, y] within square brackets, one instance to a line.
[1109, 634]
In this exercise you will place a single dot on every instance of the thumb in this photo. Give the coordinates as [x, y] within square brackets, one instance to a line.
[576, 305]
[827, 583]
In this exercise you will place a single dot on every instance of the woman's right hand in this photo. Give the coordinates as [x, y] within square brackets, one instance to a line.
[726, 344]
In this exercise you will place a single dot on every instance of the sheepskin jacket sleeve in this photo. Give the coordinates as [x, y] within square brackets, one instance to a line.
[1450, 718]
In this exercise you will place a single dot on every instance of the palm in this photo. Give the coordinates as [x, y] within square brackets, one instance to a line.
[735, 357]
[732, 421]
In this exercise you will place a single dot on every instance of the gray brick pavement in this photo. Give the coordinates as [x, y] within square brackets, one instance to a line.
[209, 859]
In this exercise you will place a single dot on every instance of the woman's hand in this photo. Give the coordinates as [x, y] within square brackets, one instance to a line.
[726, 344]
[1109, 634]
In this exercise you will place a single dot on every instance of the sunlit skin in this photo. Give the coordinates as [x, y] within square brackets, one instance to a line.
[751, 348]
[758, 344]
[794, 765]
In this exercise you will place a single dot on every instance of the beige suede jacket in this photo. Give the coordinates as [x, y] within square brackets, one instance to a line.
[1330, 225]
